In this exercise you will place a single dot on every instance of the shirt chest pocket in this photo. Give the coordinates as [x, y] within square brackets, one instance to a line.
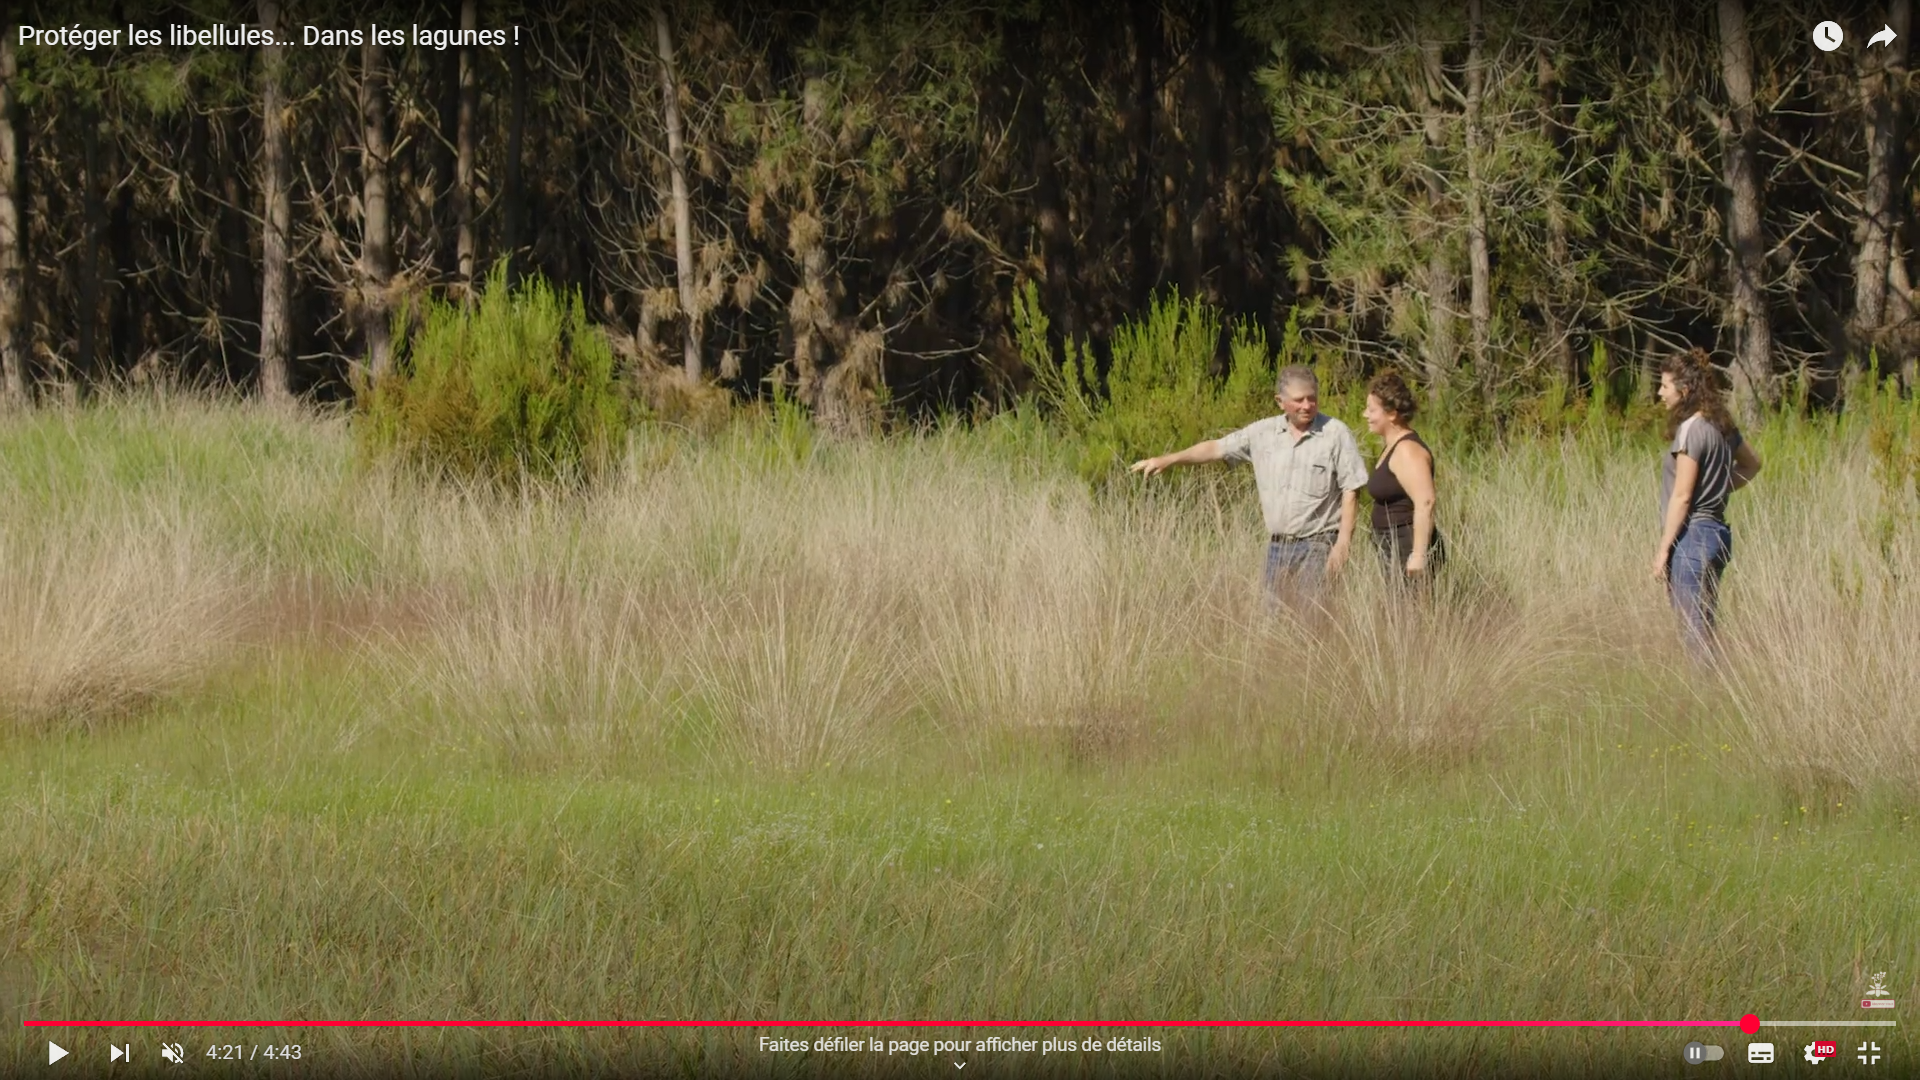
[1318, 482]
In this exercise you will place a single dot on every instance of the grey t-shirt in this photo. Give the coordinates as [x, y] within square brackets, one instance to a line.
[1301, 480]
[1701, 441]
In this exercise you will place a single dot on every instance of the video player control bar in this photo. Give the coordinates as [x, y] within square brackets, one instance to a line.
[1829, 1023]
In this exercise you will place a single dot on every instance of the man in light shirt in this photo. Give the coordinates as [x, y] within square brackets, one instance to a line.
[1308, 470]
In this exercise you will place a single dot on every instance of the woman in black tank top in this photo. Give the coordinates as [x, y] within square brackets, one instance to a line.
[1402, 484]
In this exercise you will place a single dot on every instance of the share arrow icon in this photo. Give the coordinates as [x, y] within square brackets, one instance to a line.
[55, 1051]
[1884, 37]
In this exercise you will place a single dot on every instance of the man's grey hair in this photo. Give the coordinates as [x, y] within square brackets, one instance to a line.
[1297, 375]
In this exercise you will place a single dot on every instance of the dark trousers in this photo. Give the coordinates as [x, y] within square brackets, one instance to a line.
[1395, 543]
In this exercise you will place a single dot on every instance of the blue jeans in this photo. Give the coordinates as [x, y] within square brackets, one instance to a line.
[1699, 556]
[1297, 569]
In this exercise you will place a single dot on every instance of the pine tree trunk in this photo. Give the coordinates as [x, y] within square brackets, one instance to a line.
[13, 238]
[1882, 95]
[1481, 303]
[376, 244]
[1144, 21]
[1442, 284]
[126, 339]
[1900, 308]
[1245, 151]
[87, 333]
[682, 211]
[444, 160]
[276, 336]
[1559, 334]
[810, 312]
[1209, 135]
[467, 132]
[1027, 89]
[238, 287]
[1753, 332]
[513, 226]
[1900, 313]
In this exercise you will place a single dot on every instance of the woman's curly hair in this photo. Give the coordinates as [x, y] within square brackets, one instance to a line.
[1699, 386]
[1394, 395]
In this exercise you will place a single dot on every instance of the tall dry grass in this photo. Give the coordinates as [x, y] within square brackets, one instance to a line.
[117, 587]
[792, 614]
[97, 619]
[792, 604]
[1823, 640]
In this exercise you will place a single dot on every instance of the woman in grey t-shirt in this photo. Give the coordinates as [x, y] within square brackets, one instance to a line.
[1706, 461]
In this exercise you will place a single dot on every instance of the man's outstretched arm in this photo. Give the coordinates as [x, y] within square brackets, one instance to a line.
[1199, 453]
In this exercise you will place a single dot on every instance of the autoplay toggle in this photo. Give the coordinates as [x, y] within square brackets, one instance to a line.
[1695, 1053]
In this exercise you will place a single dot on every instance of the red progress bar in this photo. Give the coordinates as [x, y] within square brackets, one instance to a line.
[1741, 1023]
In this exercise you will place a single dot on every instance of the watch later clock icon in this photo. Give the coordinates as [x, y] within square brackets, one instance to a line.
[1827, 36]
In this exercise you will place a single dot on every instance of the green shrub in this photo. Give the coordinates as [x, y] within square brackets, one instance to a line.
[518, 385]
[1162, 391]
[1893, 443]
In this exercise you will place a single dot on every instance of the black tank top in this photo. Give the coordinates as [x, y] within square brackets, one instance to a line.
[1392, 506]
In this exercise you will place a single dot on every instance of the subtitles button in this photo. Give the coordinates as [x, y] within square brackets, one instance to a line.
[1759, 1053]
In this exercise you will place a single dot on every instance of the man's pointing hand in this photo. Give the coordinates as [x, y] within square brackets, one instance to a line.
[1152, 466]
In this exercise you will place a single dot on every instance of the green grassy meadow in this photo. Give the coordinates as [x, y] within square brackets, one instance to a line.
[777, 728]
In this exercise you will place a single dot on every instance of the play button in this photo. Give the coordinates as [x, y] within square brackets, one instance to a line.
[55, 1052]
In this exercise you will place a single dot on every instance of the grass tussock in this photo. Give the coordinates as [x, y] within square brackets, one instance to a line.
[530, 670]
[1821, 660]
[96, 622]
[787, 603]
[1827, 689]
[1047, 619]
[1433, 679]
[792, 681]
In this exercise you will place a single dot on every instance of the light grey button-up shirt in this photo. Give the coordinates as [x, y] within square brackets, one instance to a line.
[1300, 480]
